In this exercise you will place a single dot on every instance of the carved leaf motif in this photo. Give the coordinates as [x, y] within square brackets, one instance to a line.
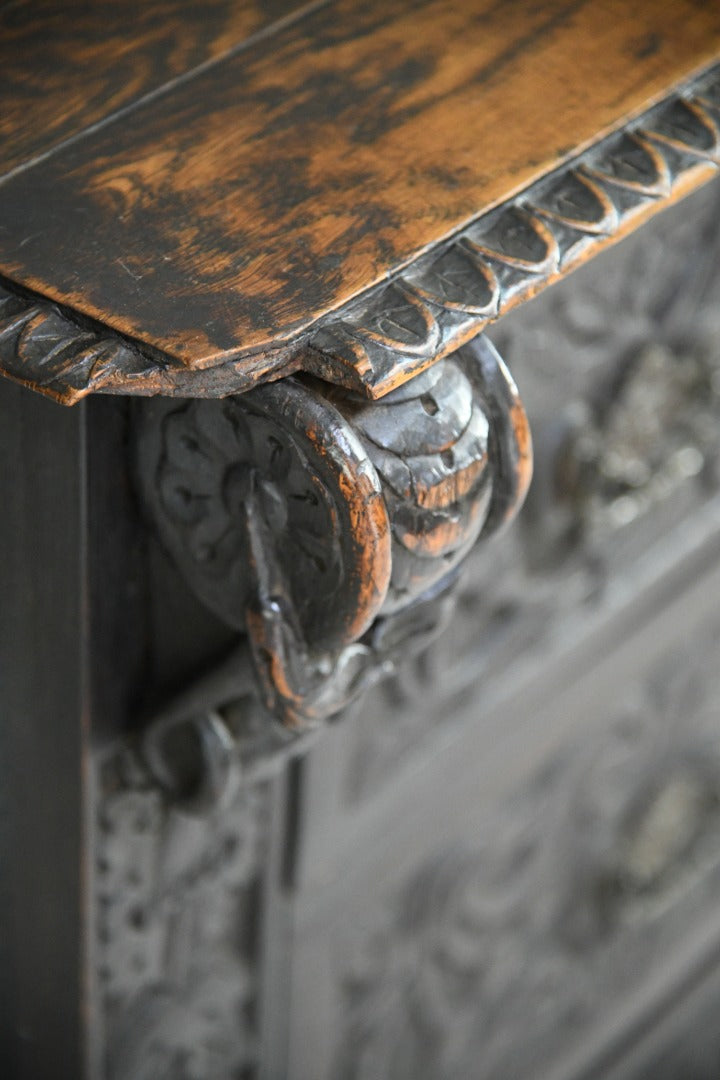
[631, 162]
[518, 239]
[577, 201]
[399, 320]
[458, 281]
[685, 125]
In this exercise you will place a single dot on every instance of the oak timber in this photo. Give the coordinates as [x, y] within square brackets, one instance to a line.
[224, 216]
[65, 67]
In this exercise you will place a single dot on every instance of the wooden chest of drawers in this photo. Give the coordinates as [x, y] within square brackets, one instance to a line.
[315, 763]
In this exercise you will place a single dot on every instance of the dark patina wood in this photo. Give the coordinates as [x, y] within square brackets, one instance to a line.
[44, 738]
[67, 67]
[227, 215]
[462, 812]
[199, 198]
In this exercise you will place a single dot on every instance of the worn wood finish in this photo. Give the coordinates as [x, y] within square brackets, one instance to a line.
[65, 67]
[226, 215]
[441, 300]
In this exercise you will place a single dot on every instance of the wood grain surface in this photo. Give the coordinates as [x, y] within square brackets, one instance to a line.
[67, 66]
[228, 213]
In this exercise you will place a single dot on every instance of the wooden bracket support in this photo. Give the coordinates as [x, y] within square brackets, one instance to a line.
[329, 530]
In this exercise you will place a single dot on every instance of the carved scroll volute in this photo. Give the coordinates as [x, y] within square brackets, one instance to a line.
[453, 452]
[311, 519]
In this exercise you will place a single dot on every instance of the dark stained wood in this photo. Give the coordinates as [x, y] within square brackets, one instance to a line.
[232, 211]
[44, 706]
[66, 66]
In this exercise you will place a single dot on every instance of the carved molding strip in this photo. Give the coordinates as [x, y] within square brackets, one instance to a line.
[440, 301]
[48, 349]
[510, 254]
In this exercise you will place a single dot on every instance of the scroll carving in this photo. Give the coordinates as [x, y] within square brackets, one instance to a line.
[444, 298]
[327, 530]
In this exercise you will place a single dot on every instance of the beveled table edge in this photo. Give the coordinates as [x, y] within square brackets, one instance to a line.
[442, 299]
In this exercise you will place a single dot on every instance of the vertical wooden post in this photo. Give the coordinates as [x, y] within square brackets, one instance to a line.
[44, 737]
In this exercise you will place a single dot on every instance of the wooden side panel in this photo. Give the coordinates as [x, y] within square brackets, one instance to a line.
[65, 67]
[44, 717]
[231, 212]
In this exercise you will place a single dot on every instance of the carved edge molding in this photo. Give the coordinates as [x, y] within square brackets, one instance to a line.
[510, 254]
[441, 300]
[49, 349]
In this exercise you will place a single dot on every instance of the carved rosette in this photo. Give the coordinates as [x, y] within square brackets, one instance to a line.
[653, 430]
[271, 456]
[303, 515]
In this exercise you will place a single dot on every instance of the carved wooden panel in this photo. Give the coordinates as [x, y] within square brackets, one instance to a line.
[557, 903]
[565, 879]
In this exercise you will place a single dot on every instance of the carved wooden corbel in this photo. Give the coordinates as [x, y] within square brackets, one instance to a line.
[328, 529]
